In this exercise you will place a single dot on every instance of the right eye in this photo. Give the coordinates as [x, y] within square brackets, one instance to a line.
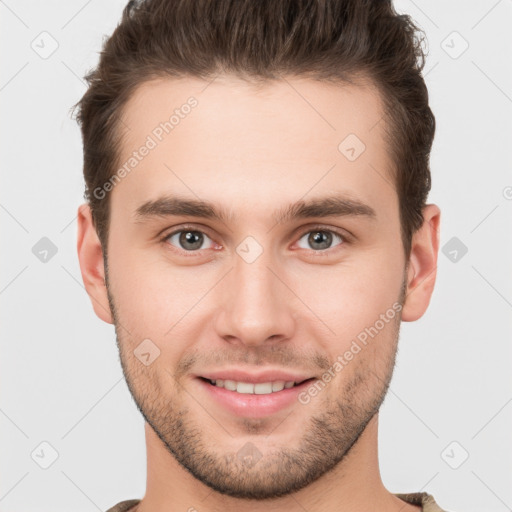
[188, 240]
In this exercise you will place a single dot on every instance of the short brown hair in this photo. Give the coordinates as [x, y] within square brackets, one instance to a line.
[259, 40]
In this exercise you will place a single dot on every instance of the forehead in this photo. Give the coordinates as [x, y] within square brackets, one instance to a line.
[238, 142]
[318, 111]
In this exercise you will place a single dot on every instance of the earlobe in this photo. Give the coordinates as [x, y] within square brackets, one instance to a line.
[90, 256]
[422, 269]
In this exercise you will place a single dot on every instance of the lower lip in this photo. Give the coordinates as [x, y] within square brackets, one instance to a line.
[253, 405]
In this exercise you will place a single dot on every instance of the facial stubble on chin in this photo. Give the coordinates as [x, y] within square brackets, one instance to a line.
[328, 436]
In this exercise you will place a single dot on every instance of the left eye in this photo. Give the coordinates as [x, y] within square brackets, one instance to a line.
[320, 238]
[188, 240]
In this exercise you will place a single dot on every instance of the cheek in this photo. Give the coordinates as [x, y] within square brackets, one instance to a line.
[151, 295]
[151, 305]
[352, 296]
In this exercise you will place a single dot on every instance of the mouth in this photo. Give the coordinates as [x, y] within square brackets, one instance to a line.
[252, 400]
[249, 388]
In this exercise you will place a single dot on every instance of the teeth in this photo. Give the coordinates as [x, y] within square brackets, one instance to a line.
[262, 388]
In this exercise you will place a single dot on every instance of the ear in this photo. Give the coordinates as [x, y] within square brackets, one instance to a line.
[422, 269]
[90, 256]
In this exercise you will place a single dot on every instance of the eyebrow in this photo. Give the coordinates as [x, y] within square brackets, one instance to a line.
[330, 206]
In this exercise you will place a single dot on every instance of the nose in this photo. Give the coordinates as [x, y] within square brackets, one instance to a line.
[255, 304]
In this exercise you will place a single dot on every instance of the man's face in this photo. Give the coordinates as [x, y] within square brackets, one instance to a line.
[254, 292]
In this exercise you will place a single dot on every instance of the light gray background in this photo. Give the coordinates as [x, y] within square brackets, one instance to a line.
[61, 380]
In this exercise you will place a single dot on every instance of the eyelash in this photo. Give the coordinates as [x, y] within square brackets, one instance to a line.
[346, 239]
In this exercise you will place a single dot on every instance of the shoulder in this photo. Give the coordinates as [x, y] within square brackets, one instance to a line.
[427, 502]
[124, 506]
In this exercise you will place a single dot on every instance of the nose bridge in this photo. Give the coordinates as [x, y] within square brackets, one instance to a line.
[257, 305]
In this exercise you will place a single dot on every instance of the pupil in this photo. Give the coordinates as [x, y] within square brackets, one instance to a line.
[321, 237]
[191, 237]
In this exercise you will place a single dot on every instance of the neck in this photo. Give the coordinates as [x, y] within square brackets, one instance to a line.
[353, 485]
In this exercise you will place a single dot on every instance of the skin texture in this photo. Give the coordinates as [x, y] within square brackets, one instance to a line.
[252, 151]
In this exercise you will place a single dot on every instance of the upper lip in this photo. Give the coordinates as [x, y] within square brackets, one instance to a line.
[255, 377]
